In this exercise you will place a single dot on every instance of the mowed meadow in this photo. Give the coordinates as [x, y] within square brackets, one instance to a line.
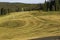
[29, 24]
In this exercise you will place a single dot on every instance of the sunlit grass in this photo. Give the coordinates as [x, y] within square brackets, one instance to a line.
[30, 24]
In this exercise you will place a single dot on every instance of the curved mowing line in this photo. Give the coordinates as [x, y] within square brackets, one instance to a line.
[12, 23]
[32, 25]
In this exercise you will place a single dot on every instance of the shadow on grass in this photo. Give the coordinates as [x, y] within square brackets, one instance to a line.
[12, 23]
[48, 38]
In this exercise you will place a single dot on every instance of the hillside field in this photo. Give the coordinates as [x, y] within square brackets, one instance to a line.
[29, 24]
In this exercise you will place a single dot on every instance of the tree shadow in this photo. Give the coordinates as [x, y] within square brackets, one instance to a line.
[48, 38]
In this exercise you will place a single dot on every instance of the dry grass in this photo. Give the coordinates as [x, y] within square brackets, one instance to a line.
[26, 25]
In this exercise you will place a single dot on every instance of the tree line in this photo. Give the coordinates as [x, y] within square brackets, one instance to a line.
[47, 6]
[53, 5]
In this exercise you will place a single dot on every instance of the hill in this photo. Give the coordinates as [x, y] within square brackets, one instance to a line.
[13, 7]
[6, 7]
[29, 24]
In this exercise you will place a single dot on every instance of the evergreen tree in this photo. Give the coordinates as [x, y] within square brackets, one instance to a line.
[2, 11]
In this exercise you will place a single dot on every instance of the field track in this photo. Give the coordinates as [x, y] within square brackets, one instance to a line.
[26, 25]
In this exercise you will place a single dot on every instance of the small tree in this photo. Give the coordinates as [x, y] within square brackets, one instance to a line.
[2, 11]
[17, 8]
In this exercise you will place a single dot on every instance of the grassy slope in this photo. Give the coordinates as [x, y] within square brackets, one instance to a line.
[26, 25]
[13, 7]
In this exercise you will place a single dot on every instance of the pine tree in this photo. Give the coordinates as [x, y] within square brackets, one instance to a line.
[2, 11]
[45, 6]
[57, 5]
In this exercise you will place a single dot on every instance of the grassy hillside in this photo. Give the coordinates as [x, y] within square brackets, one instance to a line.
[28, 25]
[13, 7]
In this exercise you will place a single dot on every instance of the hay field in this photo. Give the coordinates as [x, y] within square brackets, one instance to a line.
[28, 25]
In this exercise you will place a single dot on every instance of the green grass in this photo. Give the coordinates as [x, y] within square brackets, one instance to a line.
[30, 24]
